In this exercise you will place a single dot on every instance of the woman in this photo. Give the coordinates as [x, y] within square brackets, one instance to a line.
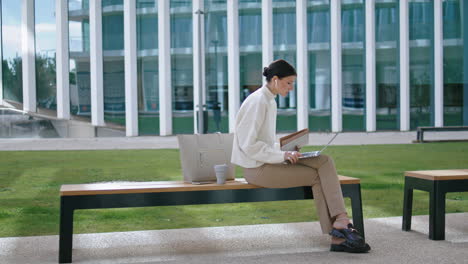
[256, 150]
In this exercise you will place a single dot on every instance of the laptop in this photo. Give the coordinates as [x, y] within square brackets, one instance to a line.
[312, 154]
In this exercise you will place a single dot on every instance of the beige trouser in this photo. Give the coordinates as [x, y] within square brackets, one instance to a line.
[318, 172]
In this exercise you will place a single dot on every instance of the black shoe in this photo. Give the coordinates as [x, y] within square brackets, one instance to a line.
[352, 236]
[346, 247]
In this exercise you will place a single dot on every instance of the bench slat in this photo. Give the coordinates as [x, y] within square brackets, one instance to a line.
[163, 186]
[439, 175]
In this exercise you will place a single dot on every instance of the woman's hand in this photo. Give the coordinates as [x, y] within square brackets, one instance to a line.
[292, 156]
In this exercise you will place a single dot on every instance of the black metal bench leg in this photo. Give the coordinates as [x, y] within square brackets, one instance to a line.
[407, 206]
[66, 232]
[356, 205]
[437, 214]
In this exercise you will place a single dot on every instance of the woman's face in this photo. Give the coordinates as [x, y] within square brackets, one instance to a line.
[285, 85]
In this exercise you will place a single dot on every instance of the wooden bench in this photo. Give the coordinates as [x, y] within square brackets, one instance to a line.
[437, 183]
[420, 132]
[163, 193]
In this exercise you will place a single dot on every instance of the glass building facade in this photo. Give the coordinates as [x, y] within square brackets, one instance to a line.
[318, 40]
[421, 35]
[113, 61]
[250, 47]
[389, 98]
[12, 71]
[353, 65]
[182, 66]
[147, 67]
[45, 37]
[284, 47]
[454, 57]
[216, 88]
[387, 62]
[79, 47]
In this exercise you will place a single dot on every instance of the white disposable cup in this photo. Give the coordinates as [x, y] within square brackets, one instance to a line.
[221, 173]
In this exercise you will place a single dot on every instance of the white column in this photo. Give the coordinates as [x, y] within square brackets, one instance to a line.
[404, 67]
[438, 65]
[62, 60]
[233, 61]
[302, 66]
[336, 69]
[198, 63]
[267, 33]
[96, 65]
[165, 83]
[370, 66]
[130, 50]
[28, 56]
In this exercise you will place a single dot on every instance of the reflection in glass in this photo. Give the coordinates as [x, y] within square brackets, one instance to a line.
[11, 51]
[182, 66]
[147, 70]
[216, 66]
[112, 3]
[146, 3]
[353, 65]
[453, 63]
[114, 71]
[250, 47]
[80, 84]
[318, 28]
[45, 37]
[421, 34]
[387, 78]
[284, 46]
[74, 5]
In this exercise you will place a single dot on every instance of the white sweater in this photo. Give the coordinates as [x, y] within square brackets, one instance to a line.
[255, 132]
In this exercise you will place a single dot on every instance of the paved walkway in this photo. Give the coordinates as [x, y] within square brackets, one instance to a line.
[356, 138]
[274, 243]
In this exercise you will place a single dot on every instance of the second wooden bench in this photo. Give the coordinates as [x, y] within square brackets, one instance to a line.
[163, 193]
[438, 183]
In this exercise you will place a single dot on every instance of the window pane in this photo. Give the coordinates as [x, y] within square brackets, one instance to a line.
[216, 65]
[421, 21]
[111, 3]
[284, 46]
[44, 14]
[74, 5]
[146, 3]
[318, 28]
[453, 63]
[80, 84]
[353, 63]
[465, 67]
[182, 66]
[11, 51]
[114, 71]
[250, 47]
[148, 78]
[387, 71]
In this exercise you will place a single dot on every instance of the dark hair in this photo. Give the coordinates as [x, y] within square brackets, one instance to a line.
[280, 68]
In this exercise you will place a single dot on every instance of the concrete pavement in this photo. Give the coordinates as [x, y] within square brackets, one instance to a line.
[272, 243]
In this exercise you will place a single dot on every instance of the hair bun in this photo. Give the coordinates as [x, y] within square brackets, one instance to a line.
[266, 71]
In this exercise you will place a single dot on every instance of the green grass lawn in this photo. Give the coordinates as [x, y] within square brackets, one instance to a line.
[30, 183]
